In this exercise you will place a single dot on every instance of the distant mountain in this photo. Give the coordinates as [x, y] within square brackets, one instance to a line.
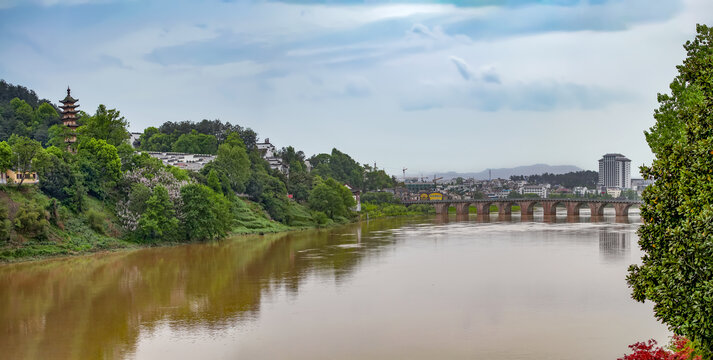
[505, 173]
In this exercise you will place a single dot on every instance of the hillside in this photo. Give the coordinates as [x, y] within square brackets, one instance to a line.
[505, 173]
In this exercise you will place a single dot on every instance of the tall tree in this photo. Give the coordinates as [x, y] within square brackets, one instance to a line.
[106, 124]
[24, 151]
[5, 156]
[158, 221]
[100, 164]
[677, 234]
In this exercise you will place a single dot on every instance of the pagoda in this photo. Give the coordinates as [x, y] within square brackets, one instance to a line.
[69, 117]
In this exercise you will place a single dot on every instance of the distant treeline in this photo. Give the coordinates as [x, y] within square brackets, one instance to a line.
[23, 113]
[201, 137]
[585, 178]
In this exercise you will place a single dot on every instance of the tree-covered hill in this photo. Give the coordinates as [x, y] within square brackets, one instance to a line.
[586, 178]
[101, 176]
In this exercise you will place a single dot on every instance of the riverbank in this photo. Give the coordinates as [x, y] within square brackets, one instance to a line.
[34, 227]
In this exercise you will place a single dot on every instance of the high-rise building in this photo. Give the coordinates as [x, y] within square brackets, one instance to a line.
[615, 171]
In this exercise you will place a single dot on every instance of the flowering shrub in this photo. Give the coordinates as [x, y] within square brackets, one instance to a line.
[149, 178]
[680, 349]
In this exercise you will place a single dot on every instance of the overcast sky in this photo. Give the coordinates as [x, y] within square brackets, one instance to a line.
[433, 86]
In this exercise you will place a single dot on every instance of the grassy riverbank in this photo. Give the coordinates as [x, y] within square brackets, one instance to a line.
[33, 226]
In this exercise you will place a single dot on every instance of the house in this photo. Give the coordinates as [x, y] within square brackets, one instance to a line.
[356, 194]
[269, 153]
[12, 177]
[193, 162]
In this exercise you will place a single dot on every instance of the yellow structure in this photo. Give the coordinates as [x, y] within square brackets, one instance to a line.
[12, 177]
[435, 196]
[423, 196]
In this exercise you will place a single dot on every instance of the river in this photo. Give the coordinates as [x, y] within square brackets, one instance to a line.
[406, 288]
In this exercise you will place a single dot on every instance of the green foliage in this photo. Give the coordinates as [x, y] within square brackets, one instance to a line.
[95, 219]
[5, 223]
[338, 166]
[207, 215]
[196, 143]
[331, 198]
[106, 124]
[213, 181]
[233, 163]
[373, 210]
[299, 185]
[59, 179]
[250, 218]
[377, 180]
[586, 178]
[24, 151]
[31, 221]
[24, 114]
[379, 198]
[5, 156]
[158, 221]
[677, 234]
[99, 164]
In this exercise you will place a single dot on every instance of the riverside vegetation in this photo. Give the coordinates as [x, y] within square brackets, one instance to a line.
[677, 234]
[102, 194]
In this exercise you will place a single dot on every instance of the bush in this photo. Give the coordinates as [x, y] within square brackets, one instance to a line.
[321, 218]
[679, 349]
[96, 221]
[379, 198]
[31, 221]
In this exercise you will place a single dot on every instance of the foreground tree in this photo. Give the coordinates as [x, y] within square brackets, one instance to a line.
[106, 124]
[677, 234]
[24, 151]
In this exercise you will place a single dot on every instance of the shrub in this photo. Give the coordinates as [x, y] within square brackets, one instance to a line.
[679, 349]
[96, 221]
[31, 221]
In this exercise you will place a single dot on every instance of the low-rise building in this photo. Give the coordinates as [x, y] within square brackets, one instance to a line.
[13, 177]
[269, 153]
[539, 190]
[614, 192]
[193, 162]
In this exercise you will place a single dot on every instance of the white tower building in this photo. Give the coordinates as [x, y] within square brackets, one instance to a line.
[615, 171]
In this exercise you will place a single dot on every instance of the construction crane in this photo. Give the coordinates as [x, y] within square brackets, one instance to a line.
[404, 170]
[436, 179]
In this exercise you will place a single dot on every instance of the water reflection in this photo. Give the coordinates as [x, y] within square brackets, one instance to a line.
[414, 284]
[614, 246]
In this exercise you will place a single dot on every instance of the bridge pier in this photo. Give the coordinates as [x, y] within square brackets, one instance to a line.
[504, 208]
[527, 209]
[549, 208]
[483, 210]
[572, 209]
[622, 209]
[462, 209]
[441, 208]
[597, 209]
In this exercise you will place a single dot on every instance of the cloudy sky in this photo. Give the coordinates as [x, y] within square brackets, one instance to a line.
[433, 86]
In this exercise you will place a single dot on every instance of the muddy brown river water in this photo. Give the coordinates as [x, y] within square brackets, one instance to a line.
[415, 288]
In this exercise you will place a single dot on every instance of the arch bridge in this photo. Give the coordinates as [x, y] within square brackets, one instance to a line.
[527, 206]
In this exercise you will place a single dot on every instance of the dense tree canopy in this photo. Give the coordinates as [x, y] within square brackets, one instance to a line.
[194, 137]
[586, 178]
[677, 234]
[105, 124]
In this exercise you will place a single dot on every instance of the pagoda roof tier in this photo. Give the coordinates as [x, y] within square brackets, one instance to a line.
[70, 112]
[68, 98]
[68, 106]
